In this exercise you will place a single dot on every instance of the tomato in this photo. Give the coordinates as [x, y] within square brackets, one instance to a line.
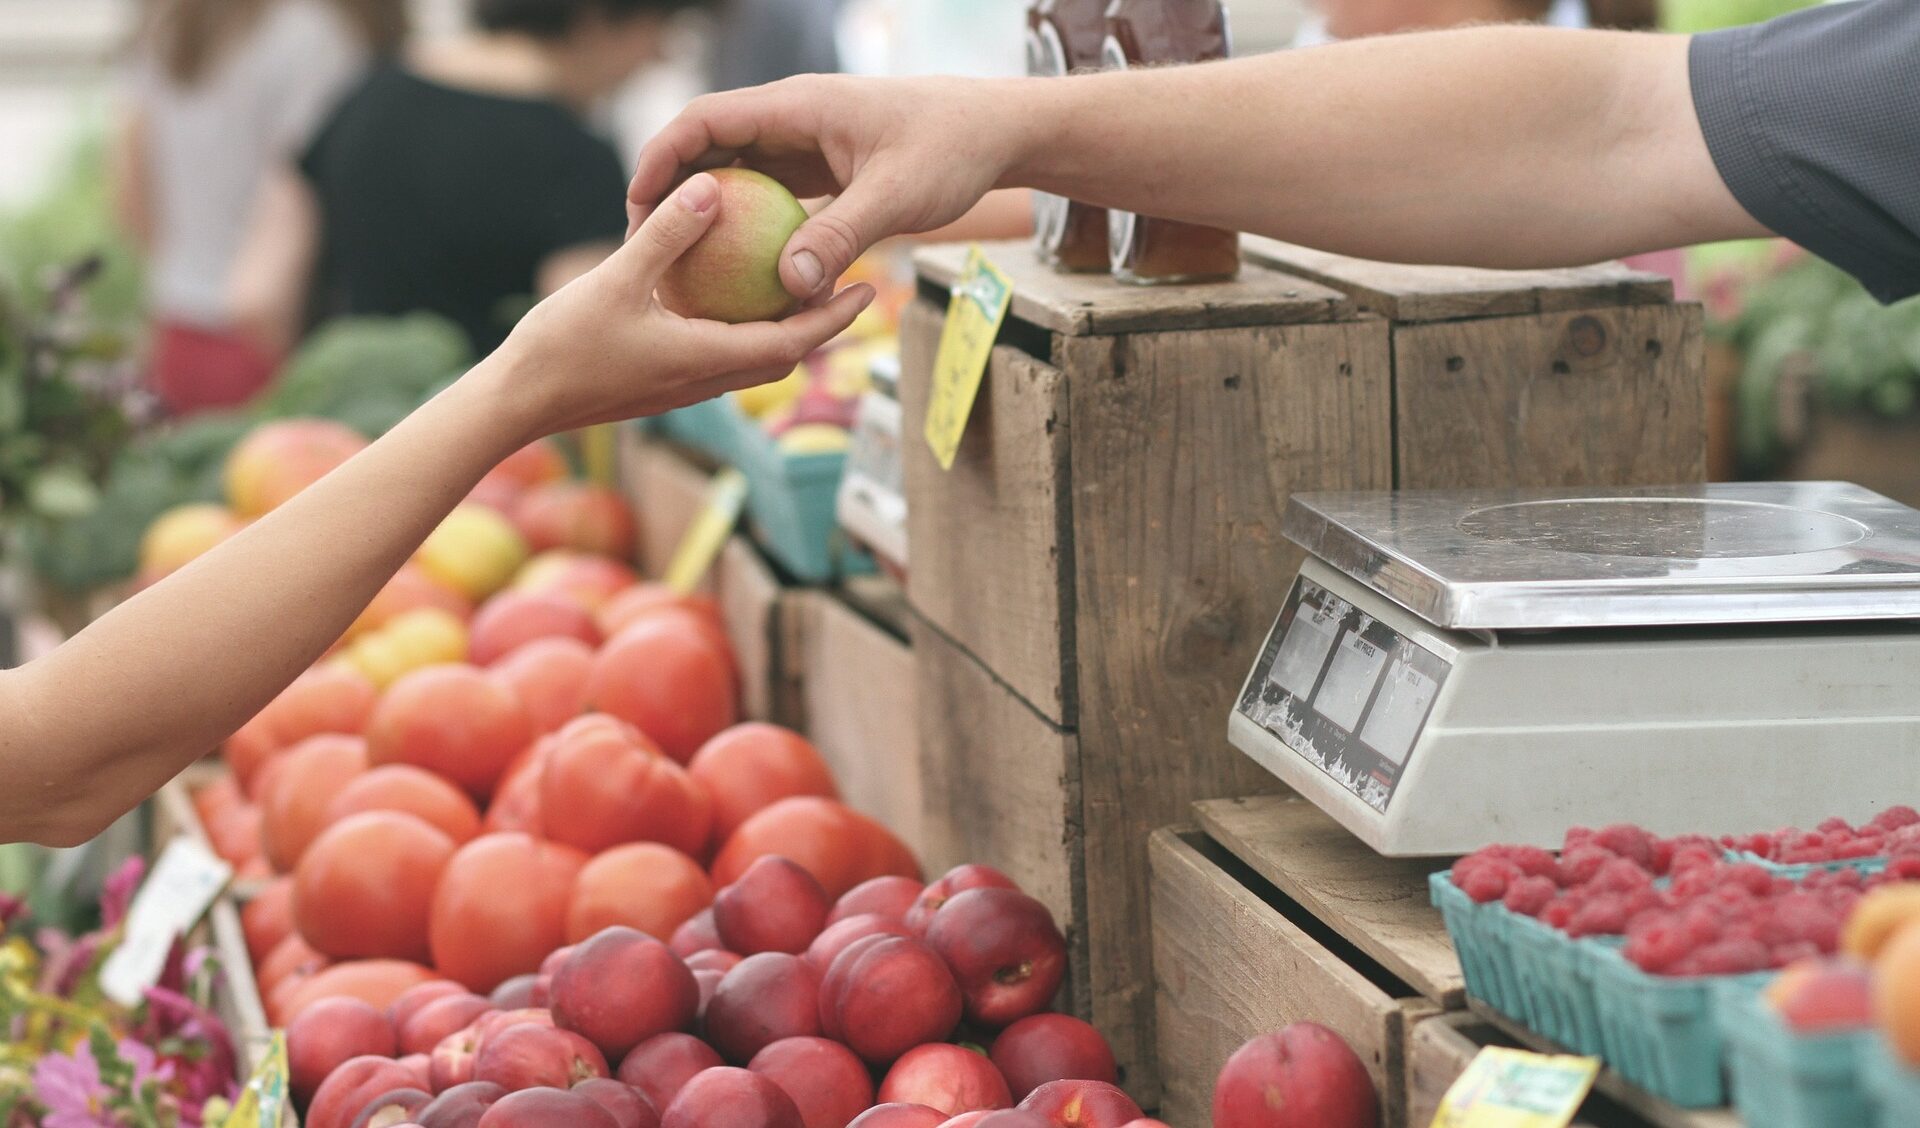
[374, 982]
[365, 887]
[665, 676]
[453, 720]
[215, 797]
[267, 918]
[754, 765]
[410, 589]
[516, 805]
[549, 677]
[295, 798]
[328, 698]
[537, 462]
[418, 792]
[501, 908]
[614, 786]
[235, 833]
[513, 619]
[637, 602]
[643, 885]
[576, 515]
[247, 751]
[840, 846]
[292, 956]
[586, 579]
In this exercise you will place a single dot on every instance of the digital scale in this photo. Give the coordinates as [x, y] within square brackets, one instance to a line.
[1457, 668]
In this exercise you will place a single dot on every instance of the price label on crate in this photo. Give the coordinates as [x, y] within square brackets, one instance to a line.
[182, 884]
[979, 304]
[264, 1100]
[1504, 1088]
[709, 531]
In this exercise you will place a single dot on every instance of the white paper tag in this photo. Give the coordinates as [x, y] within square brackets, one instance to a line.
[183, 883]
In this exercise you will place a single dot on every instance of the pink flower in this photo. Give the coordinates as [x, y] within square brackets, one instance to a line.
[11, 909]
[116, 893]
[69, 1088]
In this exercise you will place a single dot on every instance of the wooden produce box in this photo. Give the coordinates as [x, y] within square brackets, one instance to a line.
[1094, 576]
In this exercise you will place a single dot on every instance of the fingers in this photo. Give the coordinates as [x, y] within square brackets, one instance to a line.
[666, 233]
[783, 344]
[826, 245]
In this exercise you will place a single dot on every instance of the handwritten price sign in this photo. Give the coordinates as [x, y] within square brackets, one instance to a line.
[979, 305]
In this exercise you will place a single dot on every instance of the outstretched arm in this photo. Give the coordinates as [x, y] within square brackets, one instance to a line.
[96, 726]
[1503, 147]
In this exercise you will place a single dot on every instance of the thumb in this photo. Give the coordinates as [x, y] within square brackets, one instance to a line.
[675, 225]
[826, 245]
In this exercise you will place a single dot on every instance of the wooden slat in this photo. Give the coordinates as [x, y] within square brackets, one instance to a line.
[749, 595]
[1594, 397]
[859, 688]
[1001, 784]
[1228, 966]
[1377, 904]
[991, 572]
[667, 492]
[1438, 1053]
[1410, 293]
[1081, 304]
[1185, 449]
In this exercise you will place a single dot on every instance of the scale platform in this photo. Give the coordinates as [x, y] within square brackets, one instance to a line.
[1454, 668]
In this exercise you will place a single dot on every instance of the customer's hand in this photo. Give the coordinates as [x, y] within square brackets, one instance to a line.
[603, 348]
[901, 156]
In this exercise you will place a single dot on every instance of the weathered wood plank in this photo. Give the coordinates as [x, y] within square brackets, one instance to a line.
[1081, 304]
[859, 688]
[666, 491]
[1593, 397]
[750, 595]
[992, 575]
[1377, 904]
[1185, 449]
[1407, 293]
[1229, 965]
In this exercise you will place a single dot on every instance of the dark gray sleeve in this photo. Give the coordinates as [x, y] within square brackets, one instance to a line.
[1814, 122]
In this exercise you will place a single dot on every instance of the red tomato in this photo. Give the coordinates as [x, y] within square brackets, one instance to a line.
[665, 676]
[642, 885]
[840, 846]
[550, 678]
[614, 786]
[754, 765]
[267, 918]
[327, 698]
[292, 956]
[365, 886]
[501, 908]
[418, 792]
[452, 720]
[295, 797]
[513, 619]
[374, 982]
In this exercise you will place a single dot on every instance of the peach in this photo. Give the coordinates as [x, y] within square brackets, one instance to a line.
[1006, 953]
[828, 1084]
[430, 1023]
[515, 993]
[698, 934]
[1051, 1047]
[622, 987]
[733, 272]
[474, 550]
[736, 1098]
[631, 604]
[889, 897]
[714, 959]
[628, 1106]
[393, 1109]
[461, 1106]
[451, 1064]
[1305, 1069]
[247, 753]
[1001, 1118]
[575, 515]
[762, 1000]
[182, 533]
[775, 907]
[513, 619]
[837, 938]
[452, 720]
[1146, 1122]
[415, 791]
[362, 889]
[898, 1115]
[950, 1078]
[531, 1056]
[538, 462]
[885, 995]
[951, 884]
[1814, 995]
[1082, 1104]
[549, 676]
[347, 1089]
[662, 1064]
[329, 1033]
[547, 1108]
[375, 982]
[279, 459]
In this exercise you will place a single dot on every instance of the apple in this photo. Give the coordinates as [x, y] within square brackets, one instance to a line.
[950, 1078]
[828, 1084]
[461, 1106]
[663, 1063]
[387, 1110]
[732, 273]
[1006, 953]
[621, 987]
[885, 995]
[1082, 1104]
[628, 1106]
[837, 937]
[546, 1108]
[765, 998]
[1305, 1069]
[346, 1091]
[330, 1032]
[528, 1056]
[949, 885]
[737, 1098]
[429, 1025]
[899, 1115]
[888, 897]
[1052, 1047]
[775, 906]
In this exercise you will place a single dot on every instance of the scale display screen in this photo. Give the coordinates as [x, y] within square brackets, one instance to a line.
[1344, 690]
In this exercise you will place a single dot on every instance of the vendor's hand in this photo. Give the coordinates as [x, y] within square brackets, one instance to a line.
[901, 156]
[603, 348]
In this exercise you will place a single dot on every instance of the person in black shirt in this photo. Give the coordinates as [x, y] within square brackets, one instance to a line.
[461, 180]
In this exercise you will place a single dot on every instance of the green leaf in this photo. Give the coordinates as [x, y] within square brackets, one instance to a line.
[61, 493]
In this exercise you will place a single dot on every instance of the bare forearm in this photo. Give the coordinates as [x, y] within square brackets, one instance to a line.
[171, 672]
[1506, 147]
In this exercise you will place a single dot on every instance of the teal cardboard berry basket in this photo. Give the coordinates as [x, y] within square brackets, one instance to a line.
[1482, 938]
[1893, 1087]
[1661, 1032]
[1785, 1079]
[1556, 979]
[1796, 871]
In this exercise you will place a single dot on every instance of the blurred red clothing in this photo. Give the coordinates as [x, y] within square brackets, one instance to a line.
[195, 369]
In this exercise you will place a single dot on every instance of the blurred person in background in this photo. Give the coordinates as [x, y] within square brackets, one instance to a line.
[762, 41]
[219, 92]
[462, 179]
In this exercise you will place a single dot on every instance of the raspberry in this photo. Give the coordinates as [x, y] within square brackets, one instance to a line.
[1620, 876]
[1689, 858]
[1559, 914]
[1580, 863]
[1531, 860]
[1604, 915]
[1658, 945]
[1801, 917]
[1488, 882]
[1894, 818]
[1754, 879]
[1733, 957]
[1528, 895]
[1628, 842]
[1902, 867]
[1835, 825]
[1576, 836]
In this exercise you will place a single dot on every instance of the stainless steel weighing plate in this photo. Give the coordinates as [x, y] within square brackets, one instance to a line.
[1747, 552]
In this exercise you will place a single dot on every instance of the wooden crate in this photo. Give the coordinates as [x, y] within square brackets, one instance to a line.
[1235, 957]
[1102, 562]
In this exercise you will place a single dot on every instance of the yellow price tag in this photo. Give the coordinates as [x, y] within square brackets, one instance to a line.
[979, 305]
[709, 531]
[597, 446]
[264, 1100]
[1505, 1088]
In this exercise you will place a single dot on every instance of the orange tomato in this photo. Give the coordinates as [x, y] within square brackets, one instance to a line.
[296, 795]
[501, 908]
[513, 619]
[452, 720]
[217, 795]
[418, 792]
[235, 833]
[365, 887]
[575, 515]
[325, 699]
[537, 462]
[267, 918]
[410, 589]
[838, 845]
[586, 579]
[665, 676]
[247, 751]
[642, 885]
[754, 765]
[614, 786]
[549, 677]
[632, 604]
[374, 982]
[292, 956]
